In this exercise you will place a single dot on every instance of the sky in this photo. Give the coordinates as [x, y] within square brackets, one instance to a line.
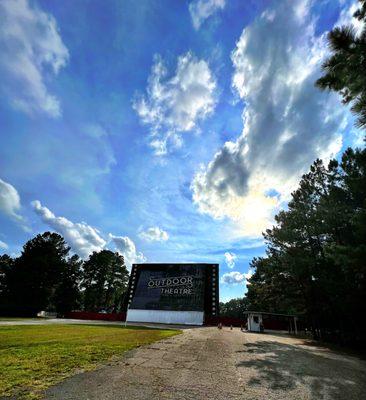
[166, 130]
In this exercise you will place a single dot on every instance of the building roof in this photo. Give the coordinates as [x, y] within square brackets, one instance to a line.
[269, 313]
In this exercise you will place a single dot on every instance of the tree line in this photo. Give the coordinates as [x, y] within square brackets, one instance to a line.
[46, 276]
[315, 258]
[315, 262]
[234, 308]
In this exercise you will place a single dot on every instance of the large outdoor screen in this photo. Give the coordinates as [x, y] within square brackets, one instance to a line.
[176, 287]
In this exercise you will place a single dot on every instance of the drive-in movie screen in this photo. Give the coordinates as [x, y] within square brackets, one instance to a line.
[170, 287]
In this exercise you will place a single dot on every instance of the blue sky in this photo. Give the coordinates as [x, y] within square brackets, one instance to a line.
[165, 130]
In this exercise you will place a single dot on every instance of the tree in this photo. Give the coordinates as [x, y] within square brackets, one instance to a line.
[349, 253]
[105, 278]
[234, 308]
[6, 264]
[42, 275]
[345, 68]
[66, 296]
[314, 264]
[273, 289]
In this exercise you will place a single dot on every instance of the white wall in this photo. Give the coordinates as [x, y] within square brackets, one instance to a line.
[165, 317]
[252, 325]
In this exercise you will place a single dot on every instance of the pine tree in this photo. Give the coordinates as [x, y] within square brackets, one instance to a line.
[345, 68]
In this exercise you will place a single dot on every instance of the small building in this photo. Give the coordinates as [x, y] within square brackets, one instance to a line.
[259, 321]
[254, 322]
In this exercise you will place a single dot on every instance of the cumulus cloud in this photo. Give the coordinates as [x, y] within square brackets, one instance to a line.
[346, 17]
[83, 238]
[248, 275]
[31, 52]
[200, 10]
[128, 249]
[154, 234]
[235, 278]
[9, 200]
[3, 245]
[288, 122]
[230, 259]
[173, 105]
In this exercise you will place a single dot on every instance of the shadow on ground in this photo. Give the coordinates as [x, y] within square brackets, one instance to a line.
[284, 367]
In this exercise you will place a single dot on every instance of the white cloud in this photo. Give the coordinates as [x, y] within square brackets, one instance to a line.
[128, 249]
[82, 238]
[346, 17]
[174, 105]
[9, 200]
[230, 259]
[200, 10]
[248, 275]
[287, 121]
[3, 245]
[154, 234]
[31, 51]
[235, 278]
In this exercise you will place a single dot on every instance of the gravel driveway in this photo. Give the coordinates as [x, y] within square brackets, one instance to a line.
[206, 363]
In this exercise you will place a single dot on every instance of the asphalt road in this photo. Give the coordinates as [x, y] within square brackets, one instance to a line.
[206, 363]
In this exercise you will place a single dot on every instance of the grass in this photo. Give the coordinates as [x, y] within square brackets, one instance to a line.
[18, 319]
[35, 357]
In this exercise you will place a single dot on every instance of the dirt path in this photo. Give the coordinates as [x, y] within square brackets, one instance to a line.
[210, 364]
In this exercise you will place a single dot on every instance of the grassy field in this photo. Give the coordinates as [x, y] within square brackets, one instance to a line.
[34, 357]
[18, 319]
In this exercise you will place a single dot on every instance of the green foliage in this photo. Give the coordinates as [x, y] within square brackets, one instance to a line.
[66, 296]
[36, 279]
[234, 308]
[6, 263]
[105, 279]
[345, 68]
[315, 263]
[47, 277]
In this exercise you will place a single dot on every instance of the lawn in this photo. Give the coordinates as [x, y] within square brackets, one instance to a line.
[18, 319]
[35, 357]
